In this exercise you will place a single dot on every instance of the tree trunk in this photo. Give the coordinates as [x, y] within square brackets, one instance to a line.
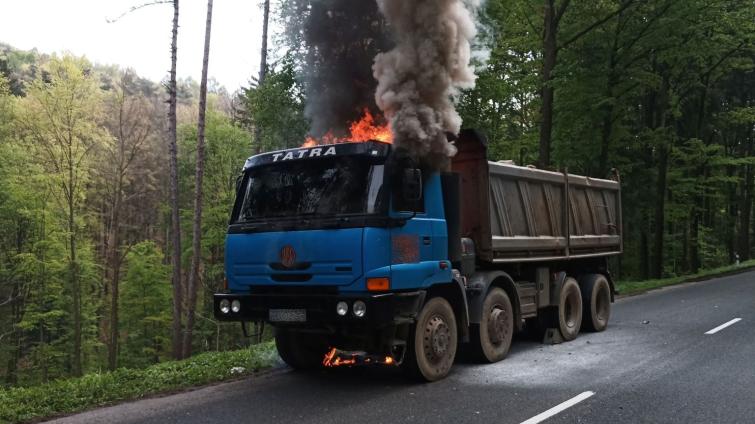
[656, 118]
[644, 253]
[197, 233]
[694, 242]
[746, 207]
[660, 212]
[114, 259]
[608, 109]
[263, 71]
[175, 215]
[76, 367]
[550, 51]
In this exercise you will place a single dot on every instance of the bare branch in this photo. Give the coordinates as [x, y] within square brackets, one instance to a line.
[596, 24]
[10, 299]
[2, 336]
[135, 8]
[561, 10]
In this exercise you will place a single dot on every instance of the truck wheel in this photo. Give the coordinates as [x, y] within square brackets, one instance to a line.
[301, 351]
[596, 298]
[491, 339]
[432, 346]
[570, 309]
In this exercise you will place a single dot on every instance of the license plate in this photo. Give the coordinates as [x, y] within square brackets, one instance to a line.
[288, 315]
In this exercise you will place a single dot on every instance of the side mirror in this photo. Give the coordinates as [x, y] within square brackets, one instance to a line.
[412, 185]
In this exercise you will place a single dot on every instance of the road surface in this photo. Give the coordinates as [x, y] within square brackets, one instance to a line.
[654, 364]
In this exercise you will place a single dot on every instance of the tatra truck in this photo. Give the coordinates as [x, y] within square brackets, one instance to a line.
[355, 254]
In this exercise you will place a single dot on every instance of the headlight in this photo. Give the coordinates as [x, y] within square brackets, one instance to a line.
[225, 306]
[360, 308]
[235, 306]
[342, 308]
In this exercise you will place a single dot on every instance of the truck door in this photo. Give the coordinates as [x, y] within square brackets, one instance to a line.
[419, 245]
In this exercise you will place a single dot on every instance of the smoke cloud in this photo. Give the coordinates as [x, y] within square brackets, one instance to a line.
[420, 76]
[340, 39]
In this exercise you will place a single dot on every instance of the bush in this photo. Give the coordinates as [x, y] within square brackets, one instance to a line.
[637, 287]
[67, 396]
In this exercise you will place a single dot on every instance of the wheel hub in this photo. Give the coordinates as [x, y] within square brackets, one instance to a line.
[437, 338]
[497, 325]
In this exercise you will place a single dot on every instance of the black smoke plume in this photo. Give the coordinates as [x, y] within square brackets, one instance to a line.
[340, 41]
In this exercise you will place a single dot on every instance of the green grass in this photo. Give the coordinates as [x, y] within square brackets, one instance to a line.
[66, 396]
[637, 287]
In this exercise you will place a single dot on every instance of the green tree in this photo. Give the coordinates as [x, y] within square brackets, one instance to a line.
[227, 148]
[145, 307]
[276, 108]
[128, 119]
[60, 117]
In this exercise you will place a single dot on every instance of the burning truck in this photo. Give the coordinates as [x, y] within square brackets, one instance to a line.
[383, 242]
[357, 255]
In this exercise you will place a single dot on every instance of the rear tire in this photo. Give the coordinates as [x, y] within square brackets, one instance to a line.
[491, 339]
[596, 300]
[301, 351]
[432, 343]
[570, 310]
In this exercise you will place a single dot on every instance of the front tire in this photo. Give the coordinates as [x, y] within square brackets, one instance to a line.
[491, 340]
[301, 351]
[570, 310]
[596, 298]
[432, 342]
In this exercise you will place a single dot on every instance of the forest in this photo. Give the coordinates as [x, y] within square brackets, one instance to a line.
[103, 263]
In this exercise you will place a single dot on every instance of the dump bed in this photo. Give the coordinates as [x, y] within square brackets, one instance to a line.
[518, 214]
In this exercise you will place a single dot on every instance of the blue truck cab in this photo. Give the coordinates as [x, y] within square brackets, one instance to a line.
[336, 246]
[357, 255]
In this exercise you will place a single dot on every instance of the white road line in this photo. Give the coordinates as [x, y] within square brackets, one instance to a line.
[558, 408]
[724, 325]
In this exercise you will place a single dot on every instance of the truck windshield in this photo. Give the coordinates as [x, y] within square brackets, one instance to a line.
[321, 187]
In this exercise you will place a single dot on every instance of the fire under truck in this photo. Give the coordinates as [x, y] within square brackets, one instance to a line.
[356, 255]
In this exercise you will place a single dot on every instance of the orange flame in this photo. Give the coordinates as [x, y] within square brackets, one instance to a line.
[328, 360]
[365, 129]
[331, 360]
[334, 359]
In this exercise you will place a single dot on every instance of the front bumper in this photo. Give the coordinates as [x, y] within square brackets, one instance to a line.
[382, 309]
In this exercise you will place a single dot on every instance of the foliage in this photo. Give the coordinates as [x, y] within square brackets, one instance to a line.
[97, 389]
[276, 108]
[629, 288]
[504, 104]
[145, 303]
[662, 91]
[82, 169]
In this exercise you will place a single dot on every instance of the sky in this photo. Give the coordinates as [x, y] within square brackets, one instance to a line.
[141, 39]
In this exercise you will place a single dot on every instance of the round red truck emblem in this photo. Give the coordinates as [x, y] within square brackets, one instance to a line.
[288, 256]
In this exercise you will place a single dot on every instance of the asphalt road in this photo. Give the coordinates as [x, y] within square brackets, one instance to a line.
[654, 364]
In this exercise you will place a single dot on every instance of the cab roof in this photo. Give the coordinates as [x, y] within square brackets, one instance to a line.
[367, 148]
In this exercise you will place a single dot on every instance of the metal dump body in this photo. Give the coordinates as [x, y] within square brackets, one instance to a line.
[520, 214]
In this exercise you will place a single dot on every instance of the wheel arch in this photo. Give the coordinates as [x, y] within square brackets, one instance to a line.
[605, 274]
[456, 295]
[481, 283]
[582, 269]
